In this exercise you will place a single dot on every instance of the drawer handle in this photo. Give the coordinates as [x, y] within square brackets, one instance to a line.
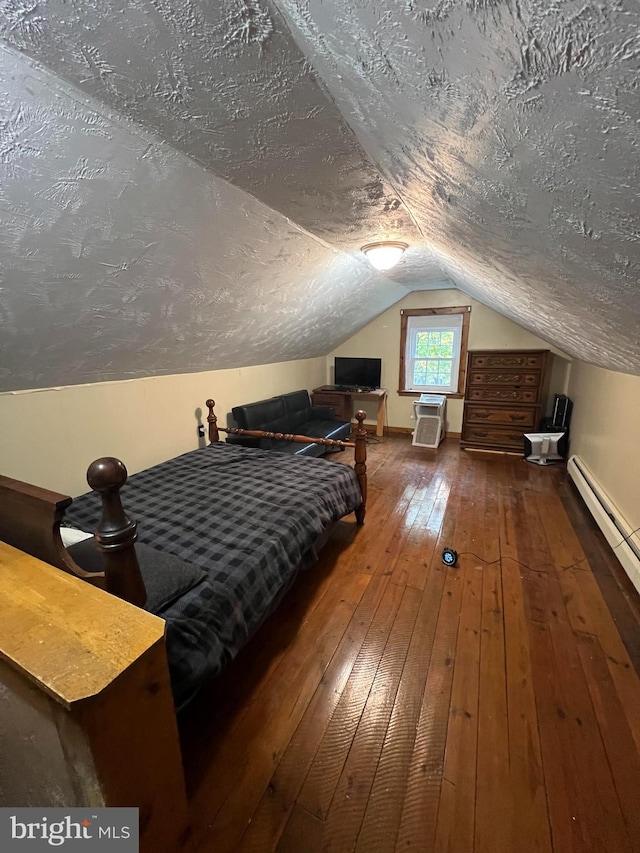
[517, 418]
[481, 414]
[480, 434]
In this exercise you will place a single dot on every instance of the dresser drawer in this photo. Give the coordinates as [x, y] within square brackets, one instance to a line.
[502, 438]
[513, 378]
[506, 360]
[501, 415]
[503, 395]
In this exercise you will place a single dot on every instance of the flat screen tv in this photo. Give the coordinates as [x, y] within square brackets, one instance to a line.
[358, 372]
[543, 448]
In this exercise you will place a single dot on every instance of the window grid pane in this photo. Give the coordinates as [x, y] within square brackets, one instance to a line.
[433, 357]
[432, 353]
[432, 372]
[434, 344]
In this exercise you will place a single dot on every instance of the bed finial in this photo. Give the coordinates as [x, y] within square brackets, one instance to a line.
[212, 420]
[106, 473]
[360, 466]
[116, 534]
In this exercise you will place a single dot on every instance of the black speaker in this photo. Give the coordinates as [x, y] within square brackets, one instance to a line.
[450, 557]
[562, 407]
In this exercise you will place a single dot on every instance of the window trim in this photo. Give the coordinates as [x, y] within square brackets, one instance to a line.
[405, 313]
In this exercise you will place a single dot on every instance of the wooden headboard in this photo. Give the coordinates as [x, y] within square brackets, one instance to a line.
[30, 521]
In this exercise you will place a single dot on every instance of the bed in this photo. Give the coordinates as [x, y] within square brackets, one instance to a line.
[238, 523]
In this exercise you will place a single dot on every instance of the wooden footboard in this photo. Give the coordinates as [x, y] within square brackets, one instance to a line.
[359, 445]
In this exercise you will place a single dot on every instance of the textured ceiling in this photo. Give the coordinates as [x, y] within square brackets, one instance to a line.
[499, 138]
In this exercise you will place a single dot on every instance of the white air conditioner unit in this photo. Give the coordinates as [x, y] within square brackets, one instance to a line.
[428, 432]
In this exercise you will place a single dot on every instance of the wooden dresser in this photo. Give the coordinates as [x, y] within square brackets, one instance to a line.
[505, 397]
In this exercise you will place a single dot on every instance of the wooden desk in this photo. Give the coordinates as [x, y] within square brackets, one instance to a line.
[342, 403]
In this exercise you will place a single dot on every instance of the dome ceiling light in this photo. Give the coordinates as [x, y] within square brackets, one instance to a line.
[385, 254]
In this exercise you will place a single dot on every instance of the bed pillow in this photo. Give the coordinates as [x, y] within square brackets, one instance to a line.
[71, 535]
[165, 576]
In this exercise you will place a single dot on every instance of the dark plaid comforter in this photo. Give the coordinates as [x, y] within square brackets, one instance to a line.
[249, 518]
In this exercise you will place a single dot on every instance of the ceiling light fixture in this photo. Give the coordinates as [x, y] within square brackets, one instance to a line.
[385, 254]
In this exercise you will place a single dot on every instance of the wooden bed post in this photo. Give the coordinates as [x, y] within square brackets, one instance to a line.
[116, 534]
[212, 420]
[361, 463]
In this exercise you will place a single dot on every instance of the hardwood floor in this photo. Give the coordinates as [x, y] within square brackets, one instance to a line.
[392, 703]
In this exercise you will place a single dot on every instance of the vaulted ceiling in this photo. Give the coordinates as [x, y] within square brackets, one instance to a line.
[186, 184]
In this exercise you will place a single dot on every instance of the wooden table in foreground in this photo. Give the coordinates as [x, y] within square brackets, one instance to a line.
[342, 402]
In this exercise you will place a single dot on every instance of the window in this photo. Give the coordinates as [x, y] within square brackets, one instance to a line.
[433, 350]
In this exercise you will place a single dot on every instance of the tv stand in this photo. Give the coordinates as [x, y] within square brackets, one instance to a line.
[342, 402]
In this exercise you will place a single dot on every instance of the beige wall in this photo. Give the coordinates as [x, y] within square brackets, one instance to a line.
[487, 330]
[604, 432]
[49, 437]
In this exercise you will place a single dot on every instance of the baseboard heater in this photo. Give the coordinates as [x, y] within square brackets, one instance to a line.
[617, 531]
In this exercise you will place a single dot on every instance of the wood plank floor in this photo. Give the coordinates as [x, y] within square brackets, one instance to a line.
[392, 703]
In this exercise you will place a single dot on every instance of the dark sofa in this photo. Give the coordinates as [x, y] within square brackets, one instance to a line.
[289, 413]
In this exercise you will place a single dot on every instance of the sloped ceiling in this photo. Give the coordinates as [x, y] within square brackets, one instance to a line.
[186, 185]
